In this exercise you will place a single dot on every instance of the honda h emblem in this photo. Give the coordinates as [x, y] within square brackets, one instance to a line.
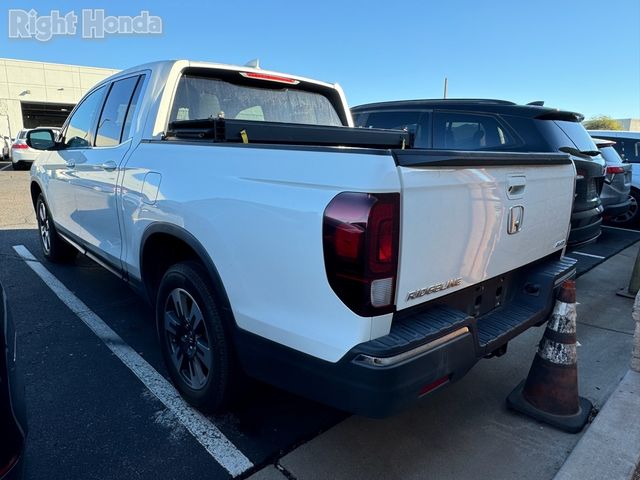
[516, 217]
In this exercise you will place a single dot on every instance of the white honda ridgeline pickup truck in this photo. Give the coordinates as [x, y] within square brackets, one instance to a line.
[275, 239]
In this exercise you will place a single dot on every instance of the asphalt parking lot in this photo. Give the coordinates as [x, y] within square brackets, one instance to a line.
[91, 416]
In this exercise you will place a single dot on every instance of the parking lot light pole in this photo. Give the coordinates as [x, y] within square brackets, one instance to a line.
[635, 355]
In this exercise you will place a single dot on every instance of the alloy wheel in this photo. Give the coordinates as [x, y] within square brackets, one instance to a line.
[45, 228]
[187, 338]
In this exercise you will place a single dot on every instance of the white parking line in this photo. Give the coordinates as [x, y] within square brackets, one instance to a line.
[206, 433]
[5, 167]
[588, 255]
[620, 228]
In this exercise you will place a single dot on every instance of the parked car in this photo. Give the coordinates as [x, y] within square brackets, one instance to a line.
[627, 143]
[628, 147]
[274, 237]
[476, 124]
[12, 408]
[22, 155]
[620, 208]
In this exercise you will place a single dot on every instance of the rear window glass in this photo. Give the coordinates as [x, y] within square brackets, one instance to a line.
[22, 134]
[578, 135]
[465, 131]
[203, 97]
[610, 155]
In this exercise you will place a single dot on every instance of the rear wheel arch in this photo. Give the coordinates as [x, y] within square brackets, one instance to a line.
[164, 245]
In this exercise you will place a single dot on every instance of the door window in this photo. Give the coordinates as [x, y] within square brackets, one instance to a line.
[114, 114]
[78, 132]
[630, 149]
[465, 131]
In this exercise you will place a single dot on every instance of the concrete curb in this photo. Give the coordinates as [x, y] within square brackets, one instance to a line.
[610, 448]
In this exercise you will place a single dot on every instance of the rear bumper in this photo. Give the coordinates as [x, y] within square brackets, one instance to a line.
[22, 156]
[617, 209]
[428, 347]
[586, 226]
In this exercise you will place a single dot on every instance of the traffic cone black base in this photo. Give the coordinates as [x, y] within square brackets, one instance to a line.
[569, 423]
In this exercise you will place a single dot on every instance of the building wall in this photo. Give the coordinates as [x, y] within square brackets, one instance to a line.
[630, 124]
[27, 81]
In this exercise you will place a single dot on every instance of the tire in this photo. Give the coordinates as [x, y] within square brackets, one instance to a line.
[632, 217]
[53, 246]
[20, 166]
[195, 346]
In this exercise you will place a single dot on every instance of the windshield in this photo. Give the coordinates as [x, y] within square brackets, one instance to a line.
[202, 97]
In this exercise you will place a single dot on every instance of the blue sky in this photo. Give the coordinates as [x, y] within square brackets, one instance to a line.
[581, 55]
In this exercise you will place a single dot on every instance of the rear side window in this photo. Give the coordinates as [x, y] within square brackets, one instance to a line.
[410, 120]
[126, 131]
[204, 97]
[114, 113]
[467, 131]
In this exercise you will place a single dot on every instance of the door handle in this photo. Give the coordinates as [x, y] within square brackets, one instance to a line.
[515, 186]
[109, 166]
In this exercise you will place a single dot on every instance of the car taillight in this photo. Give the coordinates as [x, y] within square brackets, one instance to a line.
[613, 169]
[360, 238]
[19, 146]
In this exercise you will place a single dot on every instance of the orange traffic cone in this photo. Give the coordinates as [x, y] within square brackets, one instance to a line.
[550, 392]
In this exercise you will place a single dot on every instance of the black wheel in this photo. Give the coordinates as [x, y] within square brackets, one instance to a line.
[194, 344]
[631, 217]
[53, 246]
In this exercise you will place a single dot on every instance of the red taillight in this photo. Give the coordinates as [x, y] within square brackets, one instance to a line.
[360, 237]
[7, 468]
[269, 77]
[19, 146]
[613, 169]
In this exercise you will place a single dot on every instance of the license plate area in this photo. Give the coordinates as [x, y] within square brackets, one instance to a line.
[483, 297]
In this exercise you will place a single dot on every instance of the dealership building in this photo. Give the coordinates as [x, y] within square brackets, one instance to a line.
[36, 94]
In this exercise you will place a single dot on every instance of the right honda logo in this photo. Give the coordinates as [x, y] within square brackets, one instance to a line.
[516, 217]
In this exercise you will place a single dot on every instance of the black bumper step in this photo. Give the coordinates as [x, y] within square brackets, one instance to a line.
[528, 298]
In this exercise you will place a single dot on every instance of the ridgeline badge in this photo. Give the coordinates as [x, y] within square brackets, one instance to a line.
[91, 24]
[438, 287]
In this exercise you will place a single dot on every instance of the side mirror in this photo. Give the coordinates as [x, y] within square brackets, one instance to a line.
[41, 139]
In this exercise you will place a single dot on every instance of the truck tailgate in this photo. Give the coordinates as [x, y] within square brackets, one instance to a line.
[470, 216]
